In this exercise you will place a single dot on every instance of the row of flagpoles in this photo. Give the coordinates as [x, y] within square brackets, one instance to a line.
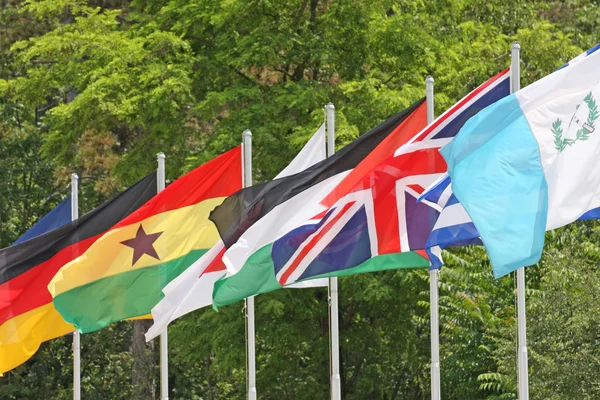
[335, 377]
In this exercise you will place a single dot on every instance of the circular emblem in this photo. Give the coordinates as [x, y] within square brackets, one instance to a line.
[581, 121]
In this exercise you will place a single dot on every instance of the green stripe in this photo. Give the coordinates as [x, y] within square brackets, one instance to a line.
[258, 274]
[115, 298]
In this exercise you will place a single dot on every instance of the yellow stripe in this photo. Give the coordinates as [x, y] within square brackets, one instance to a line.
[21, 336]
[147, 316]
[184, 230]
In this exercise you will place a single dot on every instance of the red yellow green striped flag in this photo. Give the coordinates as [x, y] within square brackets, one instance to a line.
[122, 275]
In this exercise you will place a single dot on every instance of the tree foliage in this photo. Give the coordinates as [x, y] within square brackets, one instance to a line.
[98, 87]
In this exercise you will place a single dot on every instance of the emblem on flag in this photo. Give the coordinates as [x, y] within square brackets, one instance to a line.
[584, 124]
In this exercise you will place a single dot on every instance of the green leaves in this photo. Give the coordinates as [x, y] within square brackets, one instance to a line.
[557, 131]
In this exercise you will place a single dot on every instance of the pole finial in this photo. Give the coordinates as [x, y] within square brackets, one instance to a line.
[515, 45]
[247, 133]
[330, 106]
[161, 155]
[74, 177]
[429, 79]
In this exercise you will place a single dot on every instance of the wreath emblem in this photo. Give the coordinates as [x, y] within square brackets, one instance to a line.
[586, 127]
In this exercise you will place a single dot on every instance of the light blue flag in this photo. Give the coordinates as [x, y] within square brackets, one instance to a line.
[519, 169]
[454, 226]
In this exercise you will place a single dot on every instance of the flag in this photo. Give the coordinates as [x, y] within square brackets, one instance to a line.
[250, 268]
[56, 218]
[454, 227]
[27, 315]
[122, 275]
[527, 163]
[375, 223]
[193, 288]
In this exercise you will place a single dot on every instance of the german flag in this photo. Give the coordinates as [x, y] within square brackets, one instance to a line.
[27, 314]
[122, 275]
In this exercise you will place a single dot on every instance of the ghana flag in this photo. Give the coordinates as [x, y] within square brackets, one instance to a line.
[27, 315]
[122, 275]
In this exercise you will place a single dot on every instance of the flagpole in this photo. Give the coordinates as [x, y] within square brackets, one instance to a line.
[76, 334]
[336, 387]
[433, 281]
[250, 328]
[523, 379]
[164, 337]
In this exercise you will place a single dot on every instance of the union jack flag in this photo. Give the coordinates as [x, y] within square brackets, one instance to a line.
[381, 214]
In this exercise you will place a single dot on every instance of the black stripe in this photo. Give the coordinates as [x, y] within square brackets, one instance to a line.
[245, 207]
[18, 259]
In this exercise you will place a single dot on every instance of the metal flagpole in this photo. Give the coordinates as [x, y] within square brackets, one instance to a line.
[336, 387]
[76, 335]
[433, 282]
[164, 337]
[251, 331]
[523, 378]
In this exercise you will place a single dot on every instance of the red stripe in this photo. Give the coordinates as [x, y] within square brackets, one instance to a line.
[313, 241]
[30, 289]
[220, 177]
[417, 188]
[387, 224]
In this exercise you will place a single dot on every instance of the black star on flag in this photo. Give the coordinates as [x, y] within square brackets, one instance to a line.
[142, 244]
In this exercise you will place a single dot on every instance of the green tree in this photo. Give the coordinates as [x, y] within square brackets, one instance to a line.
[99, 87]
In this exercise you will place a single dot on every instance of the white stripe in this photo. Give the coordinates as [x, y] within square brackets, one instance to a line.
[311, 283]
[451, 216]
[422, 145]
[445, 196]
[431, 204]
[370, 209]
[437, 183]
[436, 251]
[201, 294]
